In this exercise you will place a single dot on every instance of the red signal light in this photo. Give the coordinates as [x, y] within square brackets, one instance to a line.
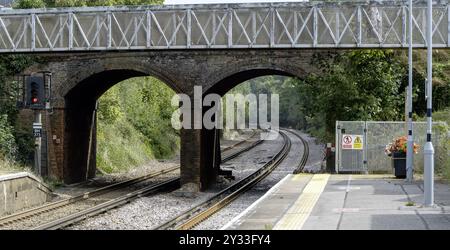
[34, 100]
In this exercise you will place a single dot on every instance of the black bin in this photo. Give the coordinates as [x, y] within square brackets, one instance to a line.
[399, 164]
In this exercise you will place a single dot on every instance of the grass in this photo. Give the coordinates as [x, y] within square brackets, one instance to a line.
[444, 159]
[121, 147]
[442, 156]
[11, 166]
[443, 115]
[410, 204]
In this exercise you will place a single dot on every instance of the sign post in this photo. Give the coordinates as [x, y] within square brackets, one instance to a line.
[37, 95]
[37, 133]
[410, 143]
[429, 149]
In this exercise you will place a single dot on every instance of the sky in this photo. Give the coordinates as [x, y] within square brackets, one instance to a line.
[226, 1]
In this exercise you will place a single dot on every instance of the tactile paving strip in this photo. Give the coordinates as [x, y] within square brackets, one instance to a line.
[299, 212]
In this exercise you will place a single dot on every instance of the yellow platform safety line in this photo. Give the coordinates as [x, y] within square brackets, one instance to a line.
[299, 212]
[300, 176]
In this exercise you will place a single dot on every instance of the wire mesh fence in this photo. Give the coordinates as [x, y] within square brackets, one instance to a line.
[376, 135]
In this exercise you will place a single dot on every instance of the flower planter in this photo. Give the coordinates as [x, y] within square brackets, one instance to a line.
[399, 164]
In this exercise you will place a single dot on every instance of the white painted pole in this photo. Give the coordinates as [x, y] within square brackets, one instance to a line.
[429, 150]
[38, 145]
[410, 144]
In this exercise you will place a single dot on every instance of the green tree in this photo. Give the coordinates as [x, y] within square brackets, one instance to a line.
[14, 144]
[7, 141]
[109, 110]
[357, 85]
[28, 4]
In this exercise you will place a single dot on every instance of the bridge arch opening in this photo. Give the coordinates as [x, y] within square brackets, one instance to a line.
[246, 81]
[83, 104]
[228, 82]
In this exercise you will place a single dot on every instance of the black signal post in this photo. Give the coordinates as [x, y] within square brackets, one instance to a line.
[37, 97]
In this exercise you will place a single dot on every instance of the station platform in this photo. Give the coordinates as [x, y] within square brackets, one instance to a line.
[345, 202]
[20, 190]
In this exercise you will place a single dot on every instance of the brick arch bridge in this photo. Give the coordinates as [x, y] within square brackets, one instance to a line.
[80, 79]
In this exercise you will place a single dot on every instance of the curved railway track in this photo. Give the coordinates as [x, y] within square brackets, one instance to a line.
[301, 165]
[204, 210]
[196, 215]
[94, 209]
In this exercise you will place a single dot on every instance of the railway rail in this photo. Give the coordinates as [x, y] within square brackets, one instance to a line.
[70, 218]
[196, 215]
[301, 165]
[204, 210]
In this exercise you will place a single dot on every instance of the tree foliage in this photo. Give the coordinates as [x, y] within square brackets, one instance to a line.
[13, 143]
[134, 124]
[7, 141]
[357, 85]
[29, 4]
[26, 4]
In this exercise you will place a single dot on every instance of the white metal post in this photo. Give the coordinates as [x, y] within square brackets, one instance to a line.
[410, 144]
[38, 144]
[429, 150]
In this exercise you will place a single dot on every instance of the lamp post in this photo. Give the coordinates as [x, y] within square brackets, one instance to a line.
[429, 150]
[410, 144]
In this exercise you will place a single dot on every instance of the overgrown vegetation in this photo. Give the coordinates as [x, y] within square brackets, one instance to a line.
[442, 160]
[14, 145]
[134, 124]
[26, 4]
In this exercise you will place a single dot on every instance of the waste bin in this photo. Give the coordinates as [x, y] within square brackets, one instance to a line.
[399, 164]
[330, 158]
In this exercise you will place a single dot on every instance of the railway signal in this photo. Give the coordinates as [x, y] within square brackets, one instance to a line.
[36, 95]
[35, 88]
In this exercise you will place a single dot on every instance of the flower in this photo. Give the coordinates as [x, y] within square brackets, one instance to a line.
[399, 145]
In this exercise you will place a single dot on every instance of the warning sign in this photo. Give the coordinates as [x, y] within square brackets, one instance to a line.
[358, 142]
[347, 142]
[352, 142]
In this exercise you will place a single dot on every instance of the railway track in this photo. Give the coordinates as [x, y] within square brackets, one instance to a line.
[91, 208]
[204, 210]
[301, 165]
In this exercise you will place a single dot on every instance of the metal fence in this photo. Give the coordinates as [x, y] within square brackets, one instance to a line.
[371, 158]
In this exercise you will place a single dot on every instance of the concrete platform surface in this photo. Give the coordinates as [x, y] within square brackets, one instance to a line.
[346, 202]
[21, 190]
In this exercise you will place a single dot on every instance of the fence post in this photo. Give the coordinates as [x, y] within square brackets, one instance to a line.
[365, 163]
[337, 147]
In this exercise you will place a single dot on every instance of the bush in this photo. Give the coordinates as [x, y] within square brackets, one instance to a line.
[29, 4]
[134, 124]
[442, 157]
[120, 147]
[7, 141]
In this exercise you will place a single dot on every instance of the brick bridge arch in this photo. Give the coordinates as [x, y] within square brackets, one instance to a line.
[80, 78]
[80, 142]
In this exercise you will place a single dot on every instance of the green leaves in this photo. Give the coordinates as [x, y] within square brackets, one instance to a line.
[7, 141]
[109, 110]
[26, 4]
[134, 124]
[356, 85]
[13, 145]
